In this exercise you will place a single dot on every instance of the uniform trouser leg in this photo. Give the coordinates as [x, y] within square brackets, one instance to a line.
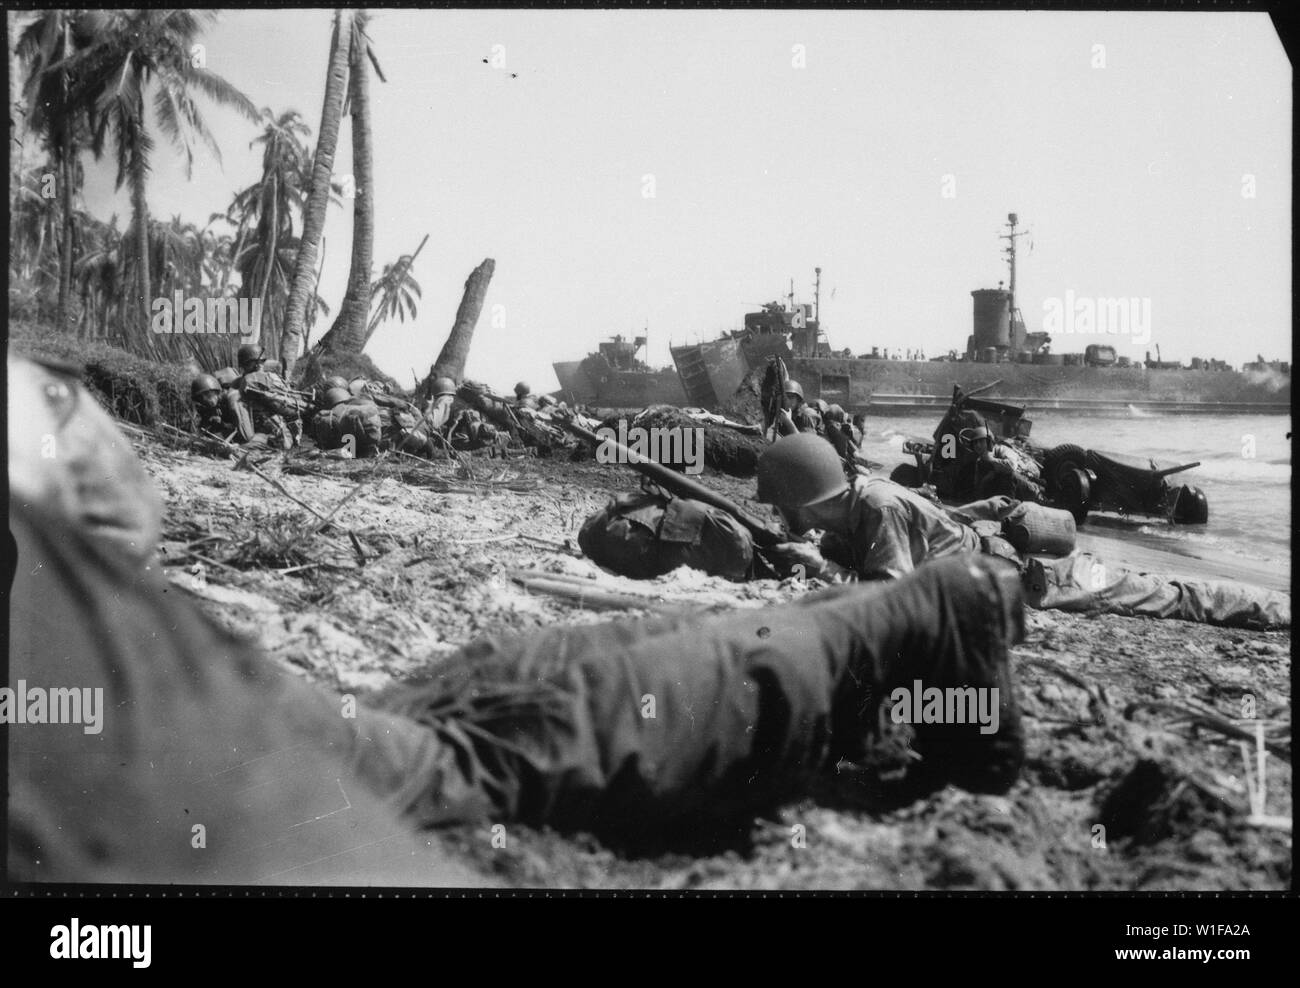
[1082, 582]
[636, 726]
[622, 728]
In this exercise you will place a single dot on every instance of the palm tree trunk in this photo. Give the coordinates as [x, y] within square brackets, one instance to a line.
[65, 155]
[313, 224]
[234, 258]
[451, 360]
[140, 207]
[65, 255]
[348, 334]
[270, 258]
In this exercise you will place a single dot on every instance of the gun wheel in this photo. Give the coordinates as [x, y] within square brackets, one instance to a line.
[1059, 463]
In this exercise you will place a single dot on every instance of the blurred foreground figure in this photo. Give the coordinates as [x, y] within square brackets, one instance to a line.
[189, 757]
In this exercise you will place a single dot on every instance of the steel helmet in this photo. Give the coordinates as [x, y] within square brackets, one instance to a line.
[250, 352]
[820, 405]
[357, 385]
[336, 396]
[522, 389]
[546, 401]
[835, 413]
[202, 383]
[799, 470]
[226, 376]
[336, 381]
[444, 386]
[794, 388]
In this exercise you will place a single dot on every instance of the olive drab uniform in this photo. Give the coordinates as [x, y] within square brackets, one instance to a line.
[401, 423]
[456, 423]
[647, 534]
[217, 420]
[354, 424]
[809, 419]
[272, 409]
[846, 441]
[893, 530]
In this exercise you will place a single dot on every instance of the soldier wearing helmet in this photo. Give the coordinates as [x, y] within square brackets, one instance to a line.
[883, 530]
[800, 416]
[336, 396]
[524, 397]
[268, 407]
[250, 358]
[206, 393]
[987, 468]
[844, 438]
[349, 422]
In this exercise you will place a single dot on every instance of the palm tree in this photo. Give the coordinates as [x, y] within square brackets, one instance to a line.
[348, 334]
[35, 223]
[46, 45]
[270, 204]
[99, 275]
[395, 292]
[136, 51]
[263, 216]
[304, 272]
[176, 252]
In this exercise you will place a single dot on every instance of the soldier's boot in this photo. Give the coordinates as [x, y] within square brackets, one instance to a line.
[947, 627]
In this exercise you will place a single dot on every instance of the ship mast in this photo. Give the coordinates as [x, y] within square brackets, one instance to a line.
[1010, 251]
[817, 297]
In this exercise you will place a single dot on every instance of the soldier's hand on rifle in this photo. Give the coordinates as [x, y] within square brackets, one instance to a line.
[800, 559]
[785, 422]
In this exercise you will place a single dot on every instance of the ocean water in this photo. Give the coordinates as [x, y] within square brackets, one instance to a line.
[1245, 470]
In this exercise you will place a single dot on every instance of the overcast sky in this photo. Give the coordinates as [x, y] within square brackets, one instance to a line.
[781, 141]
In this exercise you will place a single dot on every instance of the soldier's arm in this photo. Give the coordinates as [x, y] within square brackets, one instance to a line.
[884, 543]
[237, 416]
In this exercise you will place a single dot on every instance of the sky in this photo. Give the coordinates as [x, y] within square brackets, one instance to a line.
[670, 171]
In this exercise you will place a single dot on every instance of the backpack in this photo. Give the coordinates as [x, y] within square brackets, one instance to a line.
[649, 533]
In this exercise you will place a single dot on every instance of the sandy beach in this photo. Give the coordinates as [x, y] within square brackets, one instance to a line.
[1129, 784]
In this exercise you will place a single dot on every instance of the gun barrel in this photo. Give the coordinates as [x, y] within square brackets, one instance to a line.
[985, 387]
[678, 484]
[1172, 470]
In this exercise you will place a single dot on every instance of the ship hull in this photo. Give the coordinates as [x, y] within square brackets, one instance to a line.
[708, 374]
[859, 385]
[608, 388]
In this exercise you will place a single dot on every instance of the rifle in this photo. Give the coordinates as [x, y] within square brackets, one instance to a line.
[777, 401]
[291, 400]
[675, 483]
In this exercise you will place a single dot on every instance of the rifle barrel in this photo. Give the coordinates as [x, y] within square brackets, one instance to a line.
[678, 484]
